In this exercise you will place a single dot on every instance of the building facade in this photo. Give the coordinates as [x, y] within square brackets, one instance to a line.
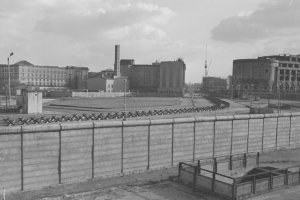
[43, 77]
[267, 74]
[172, 77]
[125, 66]
[144, 78]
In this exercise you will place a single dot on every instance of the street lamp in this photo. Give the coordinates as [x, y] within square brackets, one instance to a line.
[278, 103]
[8, 67]
[124, 95]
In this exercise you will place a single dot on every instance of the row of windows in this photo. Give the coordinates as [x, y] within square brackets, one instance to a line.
[287, 78]
[289, 65]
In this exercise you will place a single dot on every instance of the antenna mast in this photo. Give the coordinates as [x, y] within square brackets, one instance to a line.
[206, 72]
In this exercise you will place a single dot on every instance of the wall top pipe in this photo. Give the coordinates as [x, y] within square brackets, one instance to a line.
[40, 128]
[10, 129]
[284, 114]
[76, 125]
[136, 123]
[161, 121]
[205, 119]
[257, 116]
[184, 120]
[104, 124]
[240, 117]
[271, 115]
[295, 114]
[224, 118]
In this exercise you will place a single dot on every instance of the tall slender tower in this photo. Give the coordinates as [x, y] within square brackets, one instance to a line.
[117, 60]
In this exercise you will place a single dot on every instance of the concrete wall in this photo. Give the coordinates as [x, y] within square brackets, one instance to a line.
[98, 94]
[34, 156]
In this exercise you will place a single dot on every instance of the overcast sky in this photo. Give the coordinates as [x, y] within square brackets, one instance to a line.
[84, 32]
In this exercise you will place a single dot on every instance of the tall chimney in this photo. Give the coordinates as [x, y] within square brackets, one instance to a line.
[117, 60]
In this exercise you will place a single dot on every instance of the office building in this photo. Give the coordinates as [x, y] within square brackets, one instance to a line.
[267, 74]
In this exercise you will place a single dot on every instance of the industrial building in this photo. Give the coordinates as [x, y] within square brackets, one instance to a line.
[43, 77]
[172, 77]
[144, 78]
[167, 77]
[164, 78]
[275, 73]
[109, 80]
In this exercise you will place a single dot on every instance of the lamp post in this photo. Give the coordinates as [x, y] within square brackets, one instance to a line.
[278, 106]
[124, 95]
[8, 67]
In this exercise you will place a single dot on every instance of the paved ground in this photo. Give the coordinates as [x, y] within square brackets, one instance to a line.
[155, 185]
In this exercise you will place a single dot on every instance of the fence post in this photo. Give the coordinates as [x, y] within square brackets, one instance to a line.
[214, 138]
[194, 144]
[179, 170]
[215, 166]
[286, 180]
[290, 130]
[195, 175]
[263, 132]
[248, 135]
[254, 185]
[271, 181]
[148, 160]
[276, 139]
[22, 160]
[213, 182]
[231, 137]
[245, 160]
[299, 176]
[59, 154]
[172, 150]
[122, 148]
[230, 162]
[93, 151]
[234, 189]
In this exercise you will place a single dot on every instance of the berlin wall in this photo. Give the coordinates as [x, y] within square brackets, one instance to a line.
[35, 156]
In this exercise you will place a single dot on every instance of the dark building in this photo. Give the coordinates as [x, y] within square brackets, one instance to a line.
[172, 77]
[125, 66]
[144, 78]
[267, 74]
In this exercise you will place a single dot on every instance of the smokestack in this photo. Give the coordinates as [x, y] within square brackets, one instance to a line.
[117, 60]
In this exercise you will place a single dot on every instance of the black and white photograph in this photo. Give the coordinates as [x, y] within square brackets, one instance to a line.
[149, 99]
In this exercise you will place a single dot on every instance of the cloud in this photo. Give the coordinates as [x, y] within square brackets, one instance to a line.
[101, 18]
[273, 18]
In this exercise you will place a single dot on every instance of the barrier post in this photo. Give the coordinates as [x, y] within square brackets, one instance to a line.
[179, 170]
[230, 162]
[245, 160]
[195, 175]
[254, 185]
[199, 167]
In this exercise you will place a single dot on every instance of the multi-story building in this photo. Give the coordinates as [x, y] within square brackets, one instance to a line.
[165, 77]
[267, 74]
[27, 74]
[144, 78]
[172, 77]
[125, 65]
